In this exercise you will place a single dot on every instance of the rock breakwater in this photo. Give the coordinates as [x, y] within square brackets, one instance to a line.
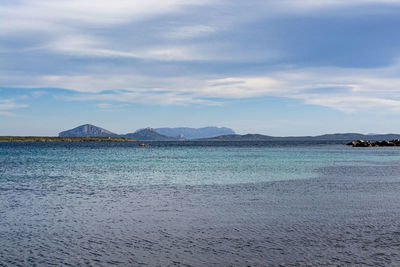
[363, 143]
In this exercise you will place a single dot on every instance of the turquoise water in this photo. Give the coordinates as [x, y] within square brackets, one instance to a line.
[199, 204]
[199, 165]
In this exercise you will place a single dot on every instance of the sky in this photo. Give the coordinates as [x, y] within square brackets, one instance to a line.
[279, 68]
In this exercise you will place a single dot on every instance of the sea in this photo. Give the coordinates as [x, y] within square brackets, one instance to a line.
[199, 204]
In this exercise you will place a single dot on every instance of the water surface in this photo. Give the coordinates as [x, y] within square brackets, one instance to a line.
[198, 204]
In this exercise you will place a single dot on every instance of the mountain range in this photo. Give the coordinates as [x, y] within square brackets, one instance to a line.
[214, 134]
[159, 134]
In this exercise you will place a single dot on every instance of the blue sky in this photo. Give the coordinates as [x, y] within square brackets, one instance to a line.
[273, 67]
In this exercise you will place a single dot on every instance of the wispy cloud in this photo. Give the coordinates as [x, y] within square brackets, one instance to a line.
[145, 97]
[194, 31]
[7, 106]
[79, 13]
[86, 46]
[85, 28]
[206, 52]
[360, 89]
[344, 89]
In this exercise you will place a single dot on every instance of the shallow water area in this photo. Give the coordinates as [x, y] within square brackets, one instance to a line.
[198, 204]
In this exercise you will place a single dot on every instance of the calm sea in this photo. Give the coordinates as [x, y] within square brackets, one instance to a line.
[199, 203]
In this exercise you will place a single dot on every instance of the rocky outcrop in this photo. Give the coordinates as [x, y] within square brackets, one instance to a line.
[363, 143]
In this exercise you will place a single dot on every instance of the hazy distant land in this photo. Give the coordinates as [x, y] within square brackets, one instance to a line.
[158, 134]
[217, 134]
[88, 132]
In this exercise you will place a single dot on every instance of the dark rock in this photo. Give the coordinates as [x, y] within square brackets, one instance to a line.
[362, 143]
[396, 142]
[144, 145]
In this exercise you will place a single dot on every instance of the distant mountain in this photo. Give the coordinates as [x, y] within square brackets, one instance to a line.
[87, 130]
[171, 134]
[149, 134]
[325, 137]
[193, 133]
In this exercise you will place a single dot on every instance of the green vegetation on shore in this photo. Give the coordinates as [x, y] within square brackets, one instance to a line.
[63, 139]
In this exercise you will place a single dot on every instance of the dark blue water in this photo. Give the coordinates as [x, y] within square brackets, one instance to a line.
[194, 203]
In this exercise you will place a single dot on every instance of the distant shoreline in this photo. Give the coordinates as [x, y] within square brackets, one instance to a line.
[64, 139]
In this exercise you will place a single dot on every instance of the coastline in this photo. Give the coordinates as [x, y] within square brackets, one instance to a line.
[31, 139]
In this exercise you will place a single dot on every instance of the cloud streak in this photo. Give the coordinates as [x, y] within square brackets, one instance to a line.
[85, 28]
[7, 106]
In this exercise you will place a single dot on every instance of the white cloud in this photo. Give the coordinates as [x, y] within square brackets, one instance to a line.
[74, 28]
[348, 90]
[83, 28]
[50, 15]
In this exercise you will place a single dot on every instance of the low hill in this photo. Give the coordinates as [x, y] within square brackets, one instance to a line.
[149, 134]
